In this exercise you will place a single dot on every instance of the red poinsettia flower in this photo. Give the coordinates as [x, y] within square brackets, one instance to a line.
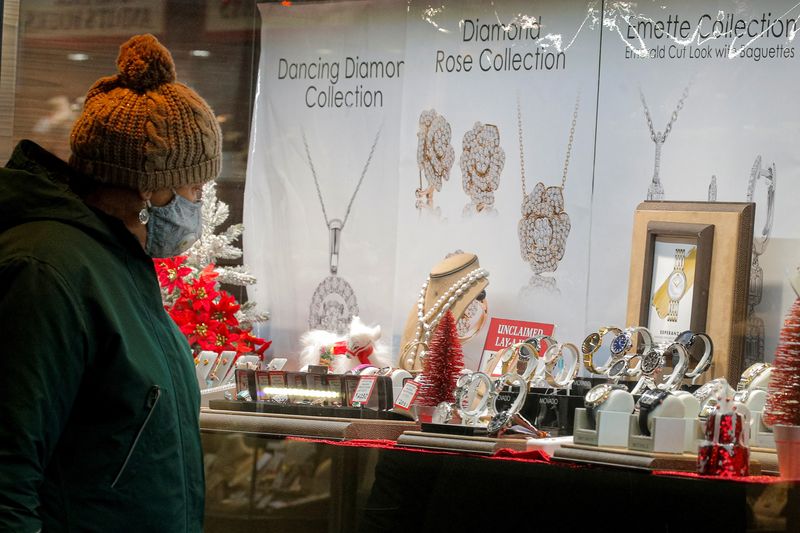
[205, 314]
[200, 293]
[223, 309]
[170, 272]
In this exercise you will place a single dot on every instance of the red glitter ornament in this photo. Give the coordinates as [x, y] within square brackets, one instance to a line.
[725, 452]
[783, 399]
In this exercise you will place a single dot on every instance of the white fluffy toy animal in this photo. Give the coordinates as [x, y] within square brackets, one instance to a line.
[343, 353]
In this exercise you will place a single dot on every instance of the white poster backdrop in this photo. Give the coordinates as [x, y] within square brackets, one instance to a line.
[556, 44]
[738, 106]
[740, 62]
[334, 73]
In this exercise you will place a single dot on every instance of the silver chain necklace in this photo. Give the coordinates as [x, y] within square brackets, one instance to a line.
[544, 226]
[656, 190]
[334, 303]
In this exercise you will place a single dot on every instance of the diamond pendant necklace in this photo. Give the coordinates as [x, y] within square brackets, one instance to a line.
[334, 303]
[656, 191]
[544, 226]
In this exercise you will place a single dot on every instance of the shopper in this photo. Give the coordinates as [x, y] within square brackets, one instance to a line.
[99, 404]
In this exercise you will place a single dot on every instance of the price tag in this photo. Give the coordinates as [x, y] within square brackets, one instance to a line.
[277, 378]
[407, 396]
[364, 390]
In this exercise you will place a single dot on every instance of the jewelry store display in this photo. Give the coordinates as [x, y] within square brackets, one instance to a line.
[656, 190]
[435, 155]
[545, 224]
[754, 338]
[333, 303]
[481, 162]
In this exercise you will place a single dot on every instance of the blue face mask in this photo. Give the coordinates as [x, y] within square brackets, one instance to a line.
[173, 228]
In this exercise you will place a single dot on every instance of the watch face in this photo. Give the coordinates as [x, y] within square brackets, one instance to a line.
[620, 343]
[596, 393]
[650, 362]
[676, 285]
[590, 343]
[498, 422]
[686, 338]
[617, 368]
[652, 397]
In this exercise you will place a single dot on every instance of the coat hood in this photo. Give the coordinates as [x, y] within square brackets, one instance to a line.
[35, 186]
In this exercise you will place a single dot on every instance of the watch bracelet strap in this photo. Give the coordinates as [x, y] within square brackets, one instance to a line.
[680, 258]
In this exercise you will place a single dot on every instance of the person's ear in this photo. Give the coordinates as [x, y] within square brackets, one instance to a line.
[145, 195]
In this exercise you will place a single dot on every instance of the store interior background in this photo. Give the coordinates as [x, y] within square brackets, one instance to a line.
[48, 64]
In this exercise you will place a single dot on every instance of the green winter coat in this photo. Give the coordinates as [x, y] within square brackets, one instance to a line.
[99, 404]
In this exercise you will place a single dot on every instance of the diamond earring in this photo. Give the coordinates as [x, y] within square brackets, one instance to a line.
[144, 214]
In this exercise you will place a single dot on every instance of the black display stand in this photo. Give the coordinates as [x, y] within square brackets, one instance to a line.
[454, 429]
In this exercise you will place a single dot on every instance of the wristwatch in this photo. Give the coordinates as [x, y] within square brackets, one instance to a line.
[560, 377]
[673, 380]
[647, 403]
[676, 285]
[650, 362]
[596, 397]
[749, 375]
[591, 344]
[624, 340]
[688, 340]
[512, 380]
[711, 389]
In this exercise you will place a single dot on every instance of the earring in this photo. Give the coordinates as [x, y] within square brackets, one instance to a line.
[435, 155]
[144, 214]
[482, 161]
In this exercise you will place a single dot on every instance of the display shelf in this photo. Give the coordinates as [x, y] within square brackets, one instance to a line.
[302, 426]
[681, 462]
[326, 411]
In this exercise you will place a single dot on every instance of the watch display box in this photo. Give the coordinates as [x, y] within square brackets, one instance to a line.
[669, 435]
[552, 412]
[611, 429]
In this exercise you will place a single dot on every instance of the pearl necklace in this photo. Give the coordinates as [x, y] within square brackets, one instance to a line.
[427, 322]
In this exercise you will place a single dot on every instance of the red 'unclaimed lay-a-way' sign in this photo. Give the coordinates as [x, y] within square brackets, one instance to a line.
[503, 333]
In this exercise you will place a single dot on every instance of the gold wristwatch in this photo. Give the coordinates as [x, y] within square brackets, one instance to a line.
[592, 343]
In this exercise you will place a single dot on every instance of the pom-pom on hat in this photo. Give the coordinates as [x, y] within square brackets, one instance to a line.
[143, 130]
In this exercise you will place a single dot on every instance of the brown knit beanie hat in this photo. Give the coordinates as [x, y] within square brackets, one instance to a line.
[143, 130]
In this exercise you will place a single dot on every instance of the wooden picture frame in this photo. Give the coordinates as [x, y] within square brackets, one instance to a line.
[723, 232]
[694, 243]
